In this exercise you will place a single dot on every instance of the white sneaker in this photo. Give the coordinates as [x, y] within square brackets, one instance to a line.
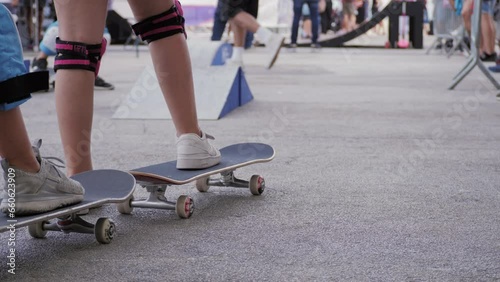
[232, 62]
[195, 152]
[274, 46]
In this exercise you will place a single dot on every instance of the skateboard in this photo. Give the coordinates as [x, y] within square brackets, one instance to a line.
[156, 178]
[101, 187]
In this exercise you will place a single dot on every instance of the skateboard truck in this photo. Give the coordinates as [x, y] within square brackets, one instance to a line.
[227, 179]
[184, 206]
[104, 229]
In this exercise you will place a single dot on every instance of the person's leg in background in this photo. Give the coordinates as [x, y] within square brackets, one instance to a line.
[47, 47]
[297, 14]
[234, 10]
[238, 45]
[487, 32]
[253, 9]
[326, 17]
[467, 14]
[99, 82]
[248, 40]
[314, 11]
[219, 24]
[496, 18]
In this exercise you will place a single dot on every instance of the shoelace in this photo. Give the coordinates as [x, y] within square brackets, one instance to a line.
[36, 148]
[52, 159]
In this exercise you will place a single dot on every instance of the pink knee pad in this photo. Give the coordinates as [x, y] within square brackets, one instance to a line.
[162, 25]
[77, 55]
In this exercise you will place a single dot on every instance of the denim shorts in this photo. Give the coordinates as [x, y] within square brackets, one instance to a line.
[487, 7]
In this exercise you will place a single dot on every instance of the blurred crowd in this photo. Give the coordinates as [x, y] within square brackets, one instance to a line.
[32, 17]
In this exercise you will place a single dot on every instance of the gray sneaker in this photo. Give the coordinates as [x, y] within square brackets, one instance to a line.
[39, 192]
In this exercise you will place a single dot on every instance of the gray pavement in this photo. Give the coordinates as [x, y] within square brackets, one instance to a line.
[381, 174]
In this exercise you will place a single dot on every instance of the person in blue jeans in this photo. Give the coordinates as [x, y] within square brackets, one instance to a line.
[220, 26]
[297, 14]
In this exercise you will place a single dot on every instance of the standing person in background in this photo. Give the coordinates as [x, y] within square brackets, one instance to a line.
[25, 12]
[349, 12]
[220, 25]
[297, 14]
[326, 17]
[487, 42]
[241, 22]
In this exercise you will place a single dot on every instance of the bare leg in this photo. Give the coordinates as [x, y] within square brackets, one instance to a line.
[239, 36]
[14, 142]
[80, 21]
[487, 34]
[467, 14]
[247, 21]
[307, 28]
[173, 68]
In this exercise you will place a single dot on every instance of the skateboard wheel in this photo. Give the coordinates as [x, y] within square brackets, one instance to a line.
[184, 206]
[125, 207]
[257, 185]
[104, 230]
[202, 184]
[36, 230]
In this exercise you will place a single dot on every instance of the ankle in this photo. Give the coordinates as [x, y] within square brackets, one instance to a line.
[192, 131]
[30, 165]
[237, 53]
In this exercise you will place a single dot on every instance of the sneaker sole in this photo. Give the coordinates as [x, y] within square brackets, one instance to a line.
[103, 88]
[33, 205]
[197, 163]
[275, 57]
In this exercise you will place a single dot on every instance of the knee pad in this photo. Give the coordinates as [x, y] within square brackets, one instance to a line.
[166, 24]
[15, 85]
[77, 55]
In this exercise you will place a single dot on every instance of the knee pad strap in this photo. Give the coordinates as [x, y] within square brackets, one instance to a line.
[76, 55]
[162, 25]
[18, 89]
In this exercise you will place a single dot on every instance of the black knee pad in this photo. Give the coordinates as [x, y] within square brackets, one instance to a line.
[160, 26]
[77, 55]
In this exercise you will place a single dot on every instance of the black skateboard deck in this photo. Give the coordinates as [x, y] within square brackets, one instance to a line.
[155, 178]
[232, 157]
[101, 187]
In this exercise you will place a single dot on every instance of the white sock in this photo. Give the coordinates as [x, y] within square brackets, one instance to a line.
[237, 54]
[264, 34]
